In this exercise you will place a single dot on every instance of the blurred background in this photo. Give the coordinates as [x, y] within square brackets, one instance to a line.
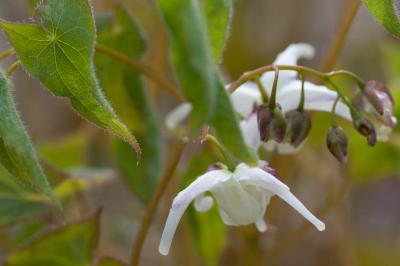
[360, 202]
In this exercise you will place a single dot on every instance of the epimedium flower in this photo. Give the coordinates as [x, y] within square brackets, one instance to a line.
[242, 197]
[316, 98]
[247, 97]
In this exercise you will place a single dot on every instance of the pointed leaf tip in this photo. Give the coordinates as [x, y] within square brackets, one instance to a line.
[60, 54]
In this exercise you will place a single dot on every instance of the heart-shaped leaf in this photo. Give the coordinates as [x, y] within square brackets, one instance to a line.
[57, 48]
[386, 12]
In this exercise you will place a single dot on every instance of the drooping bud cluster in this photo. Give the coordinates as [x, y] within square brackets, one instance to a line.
[292, 128]
[271, 123]
[336, 140]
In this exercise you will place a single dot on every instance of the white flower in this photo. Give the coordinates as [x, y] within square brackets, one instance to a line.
[317, 98]
[242, 197]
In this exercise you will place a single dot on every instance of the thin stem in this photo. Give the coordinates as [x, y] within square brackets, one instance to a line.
[301, 69]
[302, 96]
[152, 207]
[334, 110]
[337, 43]
[145, 70]
[12, 68]
[221, 149]
[262, 90]
[6, 53]
[272, 100]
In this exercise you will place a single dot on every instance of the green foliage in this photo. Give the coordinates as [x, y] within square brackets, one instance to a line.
[18, 202]
[196, 71]
[67, 152]
[126, 91]
[191, 56]
[384, 11]
[227, 128]
[16, 152]
[207, 228]
[71, 245]
[59, 54]
[217, 14]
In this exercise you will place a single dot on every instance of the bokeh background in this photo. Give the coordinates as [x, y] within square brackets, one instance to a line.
[359, 202]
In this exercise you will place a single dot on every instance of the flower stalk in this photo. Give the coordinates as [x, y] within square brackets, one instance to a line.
[250, 75]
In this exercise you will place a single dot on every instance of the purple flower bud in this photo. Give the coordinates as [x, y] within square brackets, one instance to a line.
[366, 128]
[298, 126]
[265, 115]
[278, 126]
[336, 140]
[378, 96]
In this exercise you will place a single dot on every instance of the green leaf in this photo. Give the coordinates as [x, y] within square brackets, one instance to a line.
[17, 202]
[16, 152]
[207, 228]
[198, 76]
[227, 128]
[61, 43]
[191, 56]
[72, 245]
[385, 12]
[125, 89]
[67, 152]
[217, 14]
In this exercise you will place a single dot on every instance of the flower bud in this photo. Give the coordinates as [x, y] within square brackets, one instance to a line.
[336, 140]
[366, 128]
[278, 126]
[378, 96]
[298, 126]
[265, 115]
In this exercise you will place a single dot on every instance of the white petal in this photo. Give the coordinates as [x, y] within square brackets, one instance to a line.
[177, 115]
[289, 56]
[259, 177]
[245, 97]
[239, 205]
[203, 203]
[256, 176]
[182, 201]
[316, 98]
[298, 206]
[249, 128]
[261, 225]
